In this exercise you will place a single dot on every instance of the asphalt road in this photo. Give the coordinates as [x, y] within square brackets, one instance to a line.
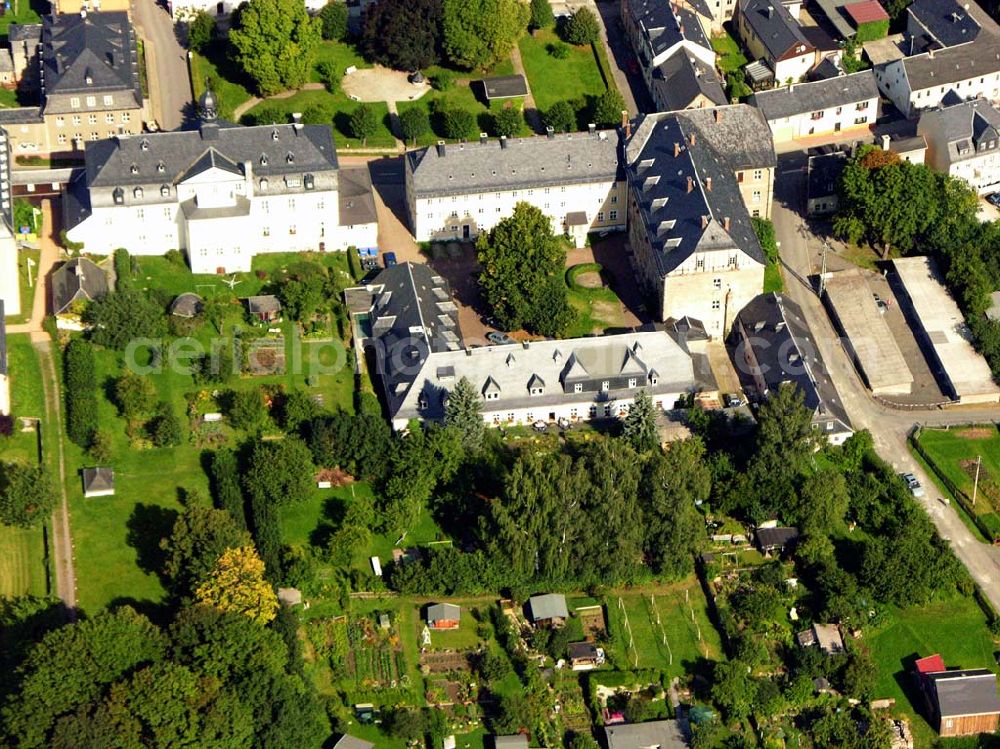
[800, 252]
[166, 59]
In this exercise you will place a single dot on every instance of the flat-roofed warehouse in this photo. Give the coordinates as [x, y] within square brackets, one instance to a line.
[942, 329]
[867, 336]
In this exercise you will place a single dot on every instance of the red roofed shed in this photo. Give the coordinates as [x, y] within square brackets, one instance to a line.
[866, 12]
[929, 665]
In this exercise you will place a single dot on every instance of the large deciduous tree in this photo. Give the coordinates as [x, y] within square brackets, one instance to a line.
[275, 42]
[334, 19]
[414, 123]
[363, 123]
[357, 443]
[280, 471]
[198, 540]
[124, 317]
[541, 14]
[134, 395]
[404, 36]
[560, 117]
[237, 585]
[479, 33]
[27, 495]
[608, 108]
[523, 263]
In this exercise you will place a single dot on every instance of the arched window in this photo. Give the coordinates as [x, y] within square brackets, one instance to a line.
[118, 195]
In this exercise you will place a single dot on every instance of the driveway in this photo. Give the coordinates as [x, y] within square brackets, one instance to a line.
[166, 66]
[619, 51]
[800, 253]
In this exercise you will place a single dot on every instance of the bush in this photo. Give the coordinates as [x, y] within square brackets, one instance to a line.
[201, 31]
[334, 19]
[559, 50]
[560, 117]
[354, 264]
[442, 80]
[81, 393]
[317, 115]
[329, 75]
[507, 122]
[123, 268]
[246, 409]
[457, 123]
[582, 27]
[165, 428]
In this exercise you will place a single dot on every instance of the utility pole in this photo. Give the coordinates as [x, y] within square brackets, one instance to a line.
[975, 485]
[31, 264]
[822, 271]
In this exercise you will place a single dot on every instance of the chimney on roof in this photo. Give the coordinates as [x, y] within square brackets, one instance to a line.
[708, 184]
[690, 184]
[885, 141]
[482, 139]
[550, 132]
[677, 149]
[718, 115]
[503, 141]
[297, 120]
[441, 148]
[693, 140]
[725, 223]
[704, 222]
[930, 53]
[770, 11]
[628, 126]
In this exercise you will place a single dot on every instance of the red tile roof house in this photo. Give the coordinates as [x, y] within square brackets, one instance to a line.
[960, 702]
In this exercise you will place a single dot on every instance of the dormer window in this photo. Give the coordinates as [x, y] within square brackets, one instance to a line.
[263, 184]
[290, 158]
[653, 379]
[631, 382]
[263, 159]
[134, 169]
[161, 167]
[309, 182]
[165, 191]
[137, 193]
[274, 134]
[144, 144]
[118, 196]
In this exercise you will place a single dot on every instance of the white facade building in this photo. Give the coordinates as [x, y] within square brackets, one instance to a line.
[921, 82]
[459, 191]
[222, 194]
[963, 140]
[10, 287]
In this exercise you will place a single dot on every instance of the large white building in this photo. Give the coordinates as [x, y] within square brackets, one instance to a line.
[963, 140]
[222, 194]
[457, 191]
[828, 107]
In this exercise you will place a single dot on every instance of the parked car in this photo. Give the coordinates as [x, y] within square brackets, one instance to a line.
[913, 484]
[733, 400]
[498, 338]
[389, 259]
[993, 199]
[540, 426]
[880, 303]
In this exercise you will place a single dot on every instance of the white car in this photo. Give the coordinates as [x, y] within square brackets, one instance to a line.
[912, 484]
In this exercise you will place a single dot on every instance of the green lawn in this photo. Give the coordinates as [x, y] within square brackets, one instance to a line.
[596, 310]
[339, 109]
[23, 11]
[955, 452]
[22, 561]
[730, 55]
[460, 96]
[230, 86]
[955, 628]
[27, 292]
[576, 79]
[773, 280]
[463, 638]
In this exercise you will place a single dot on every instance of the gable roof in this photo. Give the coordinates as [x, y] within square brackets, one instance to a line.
[78, 279]
[490, 165]
[776, 537]
[350, 742]
[963, 130]
[89, 53]
[658, 734]
[966, 692]
[548, 606]
[780, 34]
[802, 98]
[952, 64]
[682, 78]
[505, 86]
[945, 21]
[681, 172]
[443, 611]
[665, 24]
[169, 157]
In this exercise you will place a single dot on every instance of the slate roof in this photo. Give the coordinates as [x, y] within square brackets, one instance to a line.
[187, 305]
[98, 479]
[802, 98]
[89, 53]
[663, 734]
[582, 650]
[505, 86]
[78, 279]
[824, 171]
[661, 159]
[666, 24]
[443, 611]
[21, 116]
[785, 351]
[968, 129]
[966, 692]
[548, 606]
[350, 742]
[24, 32]
[953, 64]
[945, 21]
[683, 78]
[769, 538]
[354, 194]
[511, 370]
[513, 164]
[411, 315]
[774, 26]
[168, 157]
[263, 304]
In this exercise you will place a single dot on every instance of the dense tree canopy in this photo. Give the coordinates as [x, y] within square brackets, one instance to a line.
[236, 585]
[275, 42]
[582, 27]
[414, 123]
[124, 317]
[334, 19]
[359, 444]
[521, 280]
[464, 412]
[280, 471]
[199, 537]
[405, 36]
[479, 33]
[27, 495]
[560, 117]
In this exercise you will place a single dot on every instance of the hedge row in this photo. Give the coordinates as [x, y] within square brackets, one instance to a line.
[81, 393]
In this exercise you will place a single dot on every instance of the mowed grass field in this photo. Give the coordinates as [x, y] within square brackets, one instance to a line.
[949, 448]
[688, 637]
[956, 628]
[576, 78]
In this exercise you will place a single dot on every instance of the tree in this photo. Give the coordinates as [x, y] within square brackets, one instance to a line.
[522, 272]
[198, 540]
[237, 585]
[334, 21]
[733, 690]
[359, 444]
[363, 123]
[201, 31]
[672, 483]
[414, 123]
[81, 395]
[404, 36]
[246, 409]
[541, 14]
[608, 108]
[640, 424]
[26, 494]
[582, 27]
[123, 317]
[479, 33]
[134, 395]
[280, 471]
[295, 409]
[404, 724]
[822, 502]
[165, 428]
[507, 122]
[226, 486]
[101, 448]
[275, 42]
[457, 123]
[304, 287]
[560, 117]
[464, 412]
